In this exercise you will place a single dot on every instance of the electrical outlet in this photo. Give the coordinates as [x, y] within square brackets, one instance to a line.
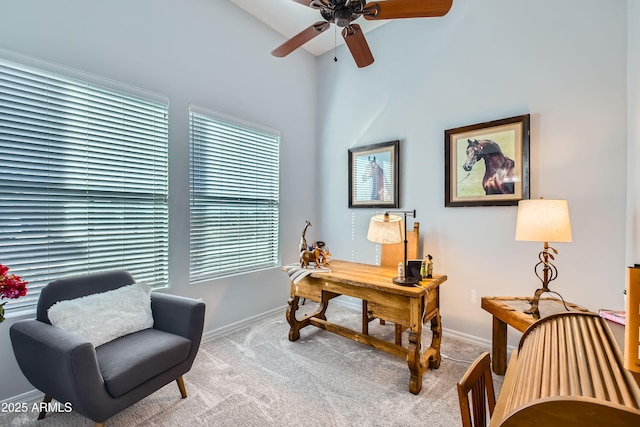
[474, 296]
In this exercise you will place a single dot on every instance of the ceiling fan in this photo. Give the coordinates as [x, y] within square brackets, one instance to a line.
[343, 12]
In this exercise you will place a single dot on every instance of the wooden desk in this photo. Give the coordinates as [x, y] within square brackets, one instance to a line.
[402, 305]
[510, 311]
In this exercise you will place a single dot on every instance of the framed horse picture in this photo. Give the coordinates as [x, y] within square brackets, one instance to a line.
[487, 164]
[374, 173]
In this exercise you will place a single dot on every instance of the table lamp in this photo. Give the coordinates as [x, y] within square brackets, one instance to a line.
[387, 229]
[543, 220]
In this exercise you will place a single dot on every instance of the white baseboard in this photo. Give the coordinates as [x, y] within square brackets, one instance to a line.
[349, 302]
[227, 329]
[28, 397]
[466, 337]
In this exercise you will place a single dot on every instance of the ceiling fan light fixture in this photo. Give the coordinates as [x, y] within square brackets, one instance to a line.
[342, 13]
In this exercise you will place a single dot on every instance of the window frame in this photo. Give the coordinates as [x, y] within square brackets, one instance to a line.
[203, 252]
[36, 273]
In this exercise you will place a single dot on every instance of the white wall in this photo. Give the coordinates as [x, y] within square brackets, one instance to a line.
[565, 63]
[204, 52]
[562, 62]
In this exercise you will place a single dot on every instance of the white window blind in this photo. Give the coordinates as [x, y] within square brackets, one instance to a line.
[235, 172]
[83, 180]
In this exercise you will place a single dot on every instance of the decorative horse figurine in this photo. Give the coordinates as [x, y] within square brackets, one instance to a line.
[324, 260]
[315, 255]
[498, 177]
[376, 174]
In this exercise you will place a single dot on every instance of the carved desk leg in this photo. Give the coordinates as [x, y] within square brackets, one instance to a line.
[294, 332]
[414, 359]
[296, 325]
[432, 314]
[436, 340]
[321, 313]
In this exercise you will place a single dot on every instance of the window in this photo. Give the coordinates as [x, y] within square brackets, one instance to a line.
[83, 182]
[235, 172]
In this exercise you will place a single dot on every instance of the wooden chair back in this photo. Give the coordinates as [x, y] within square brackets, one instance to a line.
[479, 382]
[391, 255]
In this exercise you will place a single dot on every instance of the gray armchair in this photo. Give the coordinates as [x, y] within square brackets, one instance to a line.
[100, 382]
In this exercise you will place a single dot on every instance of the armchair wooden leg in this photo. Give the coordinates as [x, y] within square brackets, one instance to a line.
[43, 410]
[183, 390]
[99, 424]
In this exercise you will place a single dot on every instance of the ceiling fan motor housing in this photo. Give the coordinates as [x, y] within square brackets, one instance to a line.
[342, 13]
[343, 17]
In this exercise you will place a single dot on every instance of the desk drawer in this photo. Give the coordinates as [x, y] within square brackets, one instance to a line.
[310, 291]
[394, 310]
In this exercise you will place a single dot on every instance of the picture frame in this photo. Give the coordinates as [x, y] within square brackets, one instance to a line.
[487, 164]
[374, 175]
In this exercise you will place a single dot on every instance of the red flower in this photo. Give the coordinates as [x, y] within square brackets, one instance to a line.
[11, 285]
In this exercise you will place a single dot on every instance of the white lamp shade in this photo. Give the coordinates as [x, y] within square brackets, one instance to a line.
[543, 220]
[386, 229]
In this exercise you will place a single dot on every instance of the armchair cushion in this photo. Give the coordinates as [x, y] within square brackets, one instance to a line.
[102, 317]
[131, 360]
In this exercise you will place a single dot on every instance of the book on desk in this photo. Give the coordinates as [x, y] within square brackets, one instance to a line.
[617, 316]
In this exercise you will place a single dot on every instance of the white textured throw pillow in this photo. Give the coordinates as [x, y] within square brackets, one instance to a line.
[100, 318]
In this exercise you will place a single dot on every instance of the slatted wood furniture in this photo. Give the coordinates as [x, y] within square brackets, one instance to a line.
[387, 301]
[390, 256]
[478, 381]
[567, 372]
[510, 311]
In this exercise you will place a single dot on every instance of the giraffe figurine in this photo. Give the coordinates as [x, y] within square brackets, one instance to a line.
[303, 240]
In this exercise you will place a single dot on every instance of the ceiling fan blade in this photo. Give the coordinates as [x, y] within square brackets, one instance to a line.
[313, 3]
[301, 38]
[357, 44]
[395, 9]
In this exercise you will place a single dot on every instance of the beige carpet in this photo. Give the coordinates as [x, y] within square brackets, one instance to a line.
[256, 377]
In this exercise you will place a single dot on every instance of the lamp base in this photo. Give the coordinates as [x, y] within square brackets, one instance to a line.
[534, 310]
[407, 281]
[549, 273]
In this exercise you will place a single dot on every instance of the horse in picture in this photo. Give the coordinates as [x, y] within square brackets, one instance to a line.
[374, 172]
[499, 177]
